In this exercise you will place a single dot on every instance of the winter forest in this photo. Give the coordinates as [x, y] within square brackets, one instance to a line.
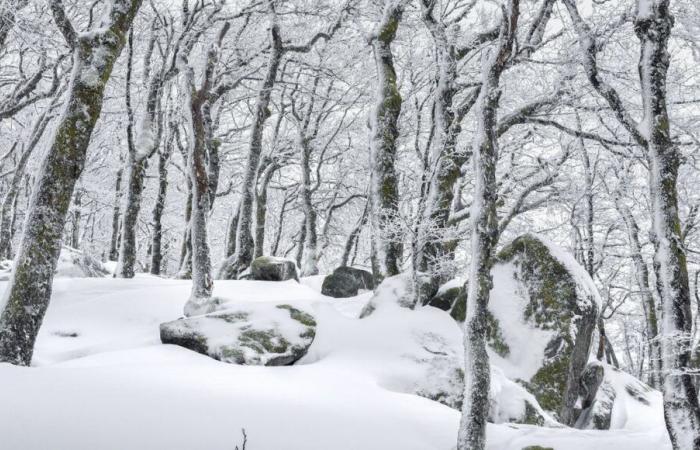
[349, 224]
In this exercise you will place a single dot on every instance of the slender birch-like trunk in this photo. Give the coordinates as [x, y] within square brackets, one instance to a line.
[484, 235]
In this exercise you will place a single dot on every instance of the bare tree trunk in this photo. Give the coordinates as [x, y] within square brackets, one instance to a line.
[387, 246]
[8, 209]
[75, 219]
[300, 244]
[114, 240]
[269, 168]
[156, 243]
[280, 224]
[309, 263]
[484, 235]
[245, 245]
[652, 26]
[353, 237]
[202, 284]
[681, 409]
[231, 234]
[642, 275]
[27, 295]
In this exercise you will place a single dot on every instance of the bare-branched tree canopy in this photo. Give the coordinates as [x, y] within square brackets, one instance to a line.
[415, 144]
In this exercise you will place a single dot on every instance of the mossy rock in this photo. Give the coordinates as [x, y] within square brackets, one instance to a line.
[253, 334]
[346, 282]
[558, 302]
[555, 301]
[445, 298]
[269, 268]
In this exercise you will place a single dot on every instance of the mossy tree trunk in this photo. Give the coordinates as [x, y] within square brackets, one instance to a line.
[652, 25]
[484, 235]
[387, 245]
[28, 293]
[681, 409]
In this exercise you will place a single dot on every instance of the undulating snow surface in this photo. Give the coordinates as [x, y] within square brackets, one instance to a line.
[103, 381]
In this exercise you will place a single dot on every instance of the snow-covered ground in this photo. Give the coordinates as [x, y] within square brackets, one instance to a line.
[103, 381]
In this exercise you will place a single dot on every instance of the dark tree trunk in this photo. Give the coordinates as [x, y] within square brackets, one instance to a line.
[245, 245]
[75, 218]
[157, 241]
[130, 216]
[114, 241]
[27, 295]
[269, 169]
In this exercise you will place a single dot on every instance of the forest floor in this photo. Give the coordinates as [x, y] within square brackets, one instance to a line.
[102, 380]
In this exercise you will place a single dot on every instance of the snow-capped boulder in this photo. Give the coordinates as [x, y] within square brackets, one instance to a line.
[612, 399]
[270, 268]
[346, 282]
[258, 333]
[542, 314]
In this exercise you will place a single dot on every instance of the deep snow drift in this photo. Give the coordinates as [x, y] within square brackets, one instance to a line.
[103, 380]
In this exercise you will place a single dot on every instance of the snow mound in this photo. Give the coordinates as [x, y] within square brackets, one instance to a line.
[74, 263]
[102, 380]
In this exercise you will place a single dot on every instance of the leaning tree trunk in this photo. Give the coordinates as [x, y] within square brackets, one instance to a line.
[681, 410]
[642, 275]
[261, 208]
[245, 245]
[27, 296]
[484, 235]
[387, 246]
[353, 238]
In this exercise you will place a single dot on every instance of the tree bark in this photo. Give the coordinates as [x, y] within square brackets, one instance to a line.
[484, 235]
[681, 409]
[114, 241]
[245, 245]
[27, 295]
[157, 241]
[387, 245]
